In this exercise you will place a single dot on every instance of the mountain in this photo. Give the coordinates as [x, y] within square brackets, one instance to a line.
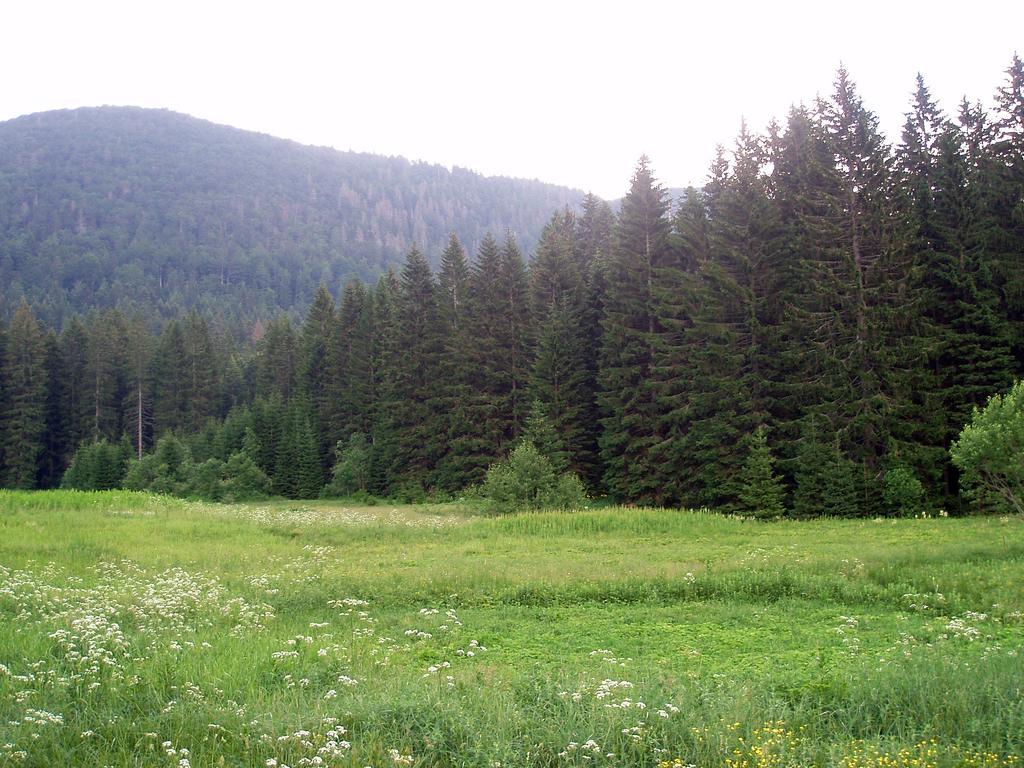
[157, 211]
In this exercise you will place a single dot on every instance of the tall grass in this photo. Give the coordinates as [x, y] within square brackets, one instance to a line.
[141, 630]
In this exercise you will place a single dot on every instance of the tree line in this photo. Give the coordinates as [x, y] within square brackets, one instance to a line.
[827, 306]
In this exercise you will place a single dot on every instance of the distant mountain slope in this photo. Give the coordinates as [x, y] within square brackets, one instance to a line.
[154, 210]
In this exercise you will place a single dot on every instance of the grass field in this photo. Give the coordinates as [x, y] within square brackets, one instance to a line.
[140, 630]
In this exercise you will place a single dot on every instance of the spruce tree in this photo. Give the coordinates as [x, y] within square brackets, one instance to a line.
[628, 403]
[735, 338]
[478, 427]
[57, 448]
[170, 381]
[761, 492]
[106, 375]
[454, 373]
[541, 433]
[24, 417]
[317, 335]
[563, 376]
[513, 337]
[385, 363]
[860, 295]
[277, 365]
[412, 411]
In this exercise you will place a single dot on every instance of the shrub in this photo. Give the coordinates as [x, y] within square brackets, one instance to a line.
[97, 467]
[902, 492]
[990, 452]
[526, 480]
[351, 473]
[243, 479]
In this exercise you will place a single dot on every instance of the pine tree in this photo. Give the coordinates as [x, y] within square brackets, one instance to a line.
[317, 336]
[277, 366]
[761, 492]
[385, 363]
[811, 469]
[861, 299]
[139, 369]
[541, 433]
[202, 380]
[24, 418]
[309, 476]
[412, 410]
[563, 377]
[513, 337]
[57, 448]
[629, 325]
[1005, 187]
[454, 373]
[106, 375]
[735, 337]
[170, 381]
[480, 425]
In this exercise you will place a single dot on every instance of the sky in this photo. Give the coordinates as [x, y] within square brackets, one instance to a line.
[567, 92]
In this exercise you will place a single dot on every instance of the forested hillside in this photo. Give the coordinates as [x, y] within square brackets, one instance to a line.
[804, 335]
[161, 213]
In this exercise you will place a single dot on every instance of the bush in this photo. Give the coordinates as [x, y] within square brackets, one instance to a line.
[990, 453]
[97, 467]
[902, 492]
[243, 479]
[526, 480]
[351, 473]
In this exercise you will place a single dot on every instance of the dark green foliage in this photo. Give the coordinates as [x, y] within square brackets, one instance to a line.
[540, 433]
[24, 417]
[564, 367]
[166, 470]
[170, 380]
[411, 408]
[843, 496]
[760, 492]
[852, 301]
[97, 467]
[812, 466]
[629, 325]
[492, 364]
[314, 372]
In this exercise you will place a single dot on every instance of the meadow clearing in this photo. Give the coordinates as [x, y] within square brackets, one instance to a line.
[139, 630]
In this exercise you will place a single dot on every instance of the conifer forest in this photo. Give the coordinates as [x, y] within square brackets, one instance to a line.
[823, 314]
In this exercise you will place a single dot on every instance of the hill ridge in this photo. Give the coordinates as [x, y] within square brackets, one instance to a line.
[156, 210]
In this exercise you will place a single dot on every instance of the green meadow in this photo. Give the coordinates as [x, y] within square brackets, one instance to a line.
[140, 630]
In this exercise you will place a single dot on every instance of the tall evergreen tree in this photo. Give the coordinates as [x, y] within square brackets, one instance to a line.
[24, 377]
[737, 327]
[277, 368]
[106, 375]
[318, 333]
[562, 378]
[413, 410]
[479, 428]
[170, 381]
[861, 299]
[627, 400]
[57, 448]
[202, 380]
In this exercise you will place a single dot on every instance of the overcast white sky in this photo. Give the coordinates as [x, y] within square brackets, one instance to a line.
[567, 92]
